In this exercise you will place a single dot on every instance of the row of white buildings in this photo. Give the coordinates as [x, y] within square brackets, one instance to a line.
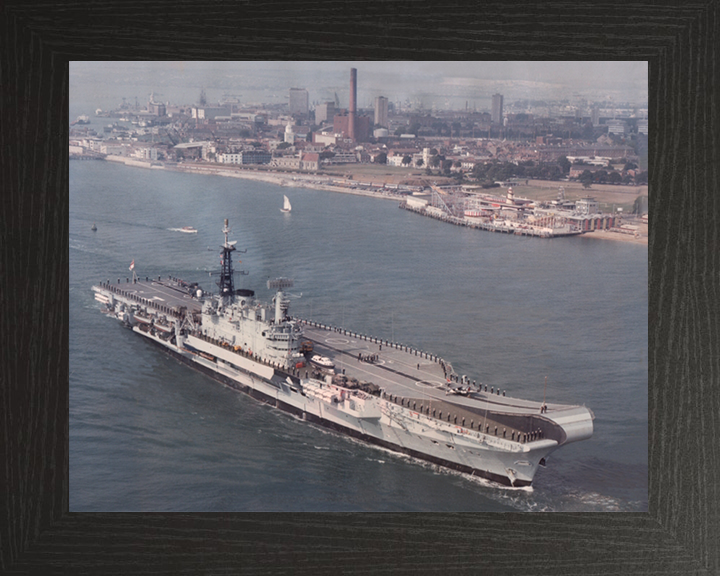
[115, 149]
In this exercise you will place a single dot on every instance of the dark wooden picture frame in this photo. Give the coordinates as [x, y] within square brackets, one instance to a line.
[679, 535]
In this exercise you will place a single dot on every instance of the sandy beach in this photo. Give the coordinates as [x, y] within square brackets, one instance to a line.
[289, 179]
[617, 236]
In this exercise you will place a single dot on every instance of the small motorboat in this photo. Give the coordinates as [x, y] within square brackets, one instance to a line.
[188, 230]
[94, 228]
[322, 362]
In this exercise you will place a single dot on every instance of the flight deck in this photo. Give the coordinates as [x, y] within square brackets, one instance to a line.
[403, 371]
[169, 295]
[425, 383]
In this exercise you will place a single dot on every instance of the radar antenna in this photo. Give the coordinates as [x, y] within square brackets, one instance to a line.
[227, 282]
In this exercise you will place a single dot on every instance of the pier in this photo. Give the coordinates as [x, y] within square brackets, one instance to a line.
[86, 156]
[518, 230]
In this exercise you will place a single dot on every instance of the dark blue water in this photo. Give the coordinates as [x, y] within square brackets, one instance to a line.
[150, 434]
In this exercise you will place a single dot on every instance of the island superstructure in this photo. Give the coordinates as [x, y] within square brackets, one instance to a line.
[382, 392]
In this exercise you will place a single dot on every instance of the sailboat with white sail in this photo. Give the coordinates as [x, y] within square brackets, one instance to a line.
[286, 205]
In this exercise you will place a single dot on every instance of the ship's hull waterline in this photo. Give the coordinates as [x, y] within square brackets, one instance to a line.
[332, 420]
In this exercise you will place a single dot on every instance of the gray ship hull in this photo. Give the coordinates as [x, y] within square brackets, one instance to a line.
[277, 402]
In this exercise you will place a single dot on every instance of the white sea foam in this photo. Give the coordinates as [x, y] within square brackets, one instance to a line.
[181, 230]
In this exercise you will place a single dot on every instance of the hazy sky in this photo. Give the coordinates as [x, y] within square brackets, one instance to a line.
[449, 83]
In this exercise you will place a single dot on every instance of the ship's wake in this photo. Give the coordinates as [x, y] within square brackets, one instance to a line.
[182, 230]
[521, 498]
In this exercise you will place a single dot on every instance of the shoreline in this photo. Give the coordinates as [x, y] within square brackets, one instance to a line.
[616, 237]
[314, 182]
[286, 180]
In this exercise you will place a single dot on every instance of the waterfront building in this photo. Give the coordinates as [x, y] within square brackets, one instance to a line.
[310, 161]
[147, 154]
[228, 158]
[113, 150]
[299, 161]
[287, 162]
[246, 157]
[587, 206]
[198, 149]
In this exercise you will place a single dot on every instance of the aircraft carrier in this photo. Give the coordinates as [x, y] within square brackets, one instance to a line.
[382, 392]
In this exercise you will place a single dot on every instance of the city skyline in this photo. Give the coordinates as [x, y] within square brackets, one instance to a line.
[448, 85]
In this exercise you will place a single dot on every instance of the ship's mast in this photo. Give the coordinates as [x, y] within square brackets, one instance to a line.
[226, 283]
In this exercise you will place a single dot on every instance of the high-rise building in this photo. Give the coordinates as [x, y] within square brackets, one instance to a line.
[595, 116]
[298, 103]
[324, 112]
[381, 111]
[497, 109]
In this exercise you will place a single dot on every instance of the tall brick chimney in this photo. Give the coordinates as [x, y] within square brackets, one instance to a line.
[353, 103]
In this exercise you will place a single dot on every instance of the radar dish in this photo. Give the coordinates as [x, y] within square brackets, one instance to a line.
[280, 283]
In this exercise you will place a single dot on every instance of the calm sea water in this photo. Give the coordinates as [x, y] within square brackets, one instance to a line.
[149, 434]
